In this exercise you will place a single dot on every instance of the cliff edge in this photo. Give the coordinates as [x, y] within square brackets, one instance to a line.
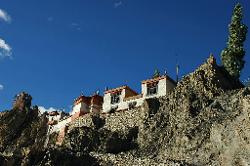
[205, 120]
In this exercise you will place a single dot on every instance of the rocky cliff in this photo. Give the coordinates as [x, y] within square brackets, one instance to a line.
[22, 134]
[204, 121]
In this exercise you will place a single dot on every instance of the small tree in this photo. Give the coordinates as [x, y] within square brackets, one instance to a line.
[232, 56]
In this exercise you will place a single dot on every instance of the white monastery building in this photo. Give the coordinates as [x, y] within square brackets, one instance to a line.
[117, 99]
[123, 98]
[55, 116]
[83, 105]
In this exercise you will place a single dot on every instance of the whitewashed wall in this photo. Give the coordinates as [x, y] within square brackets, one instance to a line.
[164, 86]
[60, 124]
[144, 90]
[107, 106]
[54, 118]
[80, 107]
[58, 117]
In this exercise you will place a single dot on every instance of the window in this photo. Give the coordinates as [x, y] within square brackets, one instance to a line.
[152, 89]
[113, 109]
[115, 98]
[132, 105]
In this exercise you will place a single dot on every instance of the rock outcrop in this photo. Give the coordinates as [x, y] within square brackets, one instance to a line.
[22, 101]
[198, 121]
[22, 133]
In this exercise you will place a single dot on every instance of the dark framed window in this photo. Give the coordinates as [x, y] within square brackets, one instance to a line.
[115, 98]
[152, 89]
[132, 105]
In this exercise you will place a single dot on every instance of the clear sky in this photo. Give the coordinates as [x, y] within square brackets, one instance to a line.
[60, 48]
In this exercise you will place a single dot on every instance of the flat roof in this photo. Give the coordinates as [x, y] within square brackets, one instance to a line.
[152, 80]
[119, 89]
[86, 99]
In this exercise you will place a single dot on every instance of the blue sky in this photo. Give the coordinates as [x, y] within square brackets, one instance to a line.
[60, 48]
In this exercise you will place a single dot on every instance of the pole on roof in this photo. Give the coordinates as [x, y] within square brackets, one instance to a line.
[177, 68]
[106, 88]
[165, 72]
[177, 72]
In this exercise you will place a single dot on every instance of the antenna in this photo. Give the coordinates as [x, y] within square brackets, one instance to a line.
[165, 72]
[106, 88]
[177, 68]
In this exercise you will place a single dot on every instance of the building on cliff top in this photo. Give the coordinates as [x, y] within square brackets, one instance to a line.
[117, 99]
[55, 116]
[81, 106]
[84, 104]
[123, 98]
[114, 98]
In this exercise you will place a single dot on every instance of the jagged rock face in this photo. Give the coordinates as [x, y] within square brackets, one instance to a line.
[200, 122]
[22, 101]
[62, 157]
[218, 135]
[21, 134]
[85, 139]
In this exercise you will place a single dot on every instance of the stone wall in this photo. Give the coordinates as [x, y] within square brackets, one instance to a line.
[117, 121]
[122, 120]
[84, 120]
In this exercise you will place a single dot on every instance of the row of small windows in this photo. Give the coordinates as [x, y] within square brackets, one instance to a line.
[152, 89]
